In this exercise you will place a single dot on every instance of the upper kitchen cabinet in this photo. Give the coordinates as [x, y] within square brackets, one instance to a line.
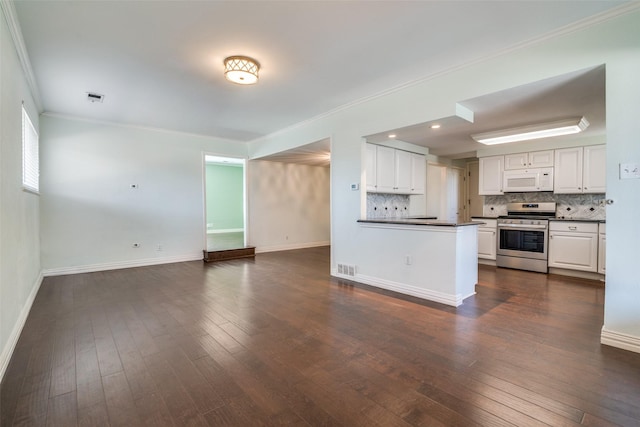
[394, 171]
[418, 173]
[490, 176]
[594, 165]
[580, 170]
[370, 171]
[534, 159]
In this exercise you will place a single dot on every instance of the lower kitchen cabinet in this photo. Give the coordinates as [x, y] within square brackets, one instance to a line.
[573, 245]
[487, 238]
[602, 248]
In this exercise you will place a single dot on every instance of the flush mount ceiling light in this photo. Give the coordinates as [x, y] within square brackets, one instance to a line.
[542, 130]
[241, 69]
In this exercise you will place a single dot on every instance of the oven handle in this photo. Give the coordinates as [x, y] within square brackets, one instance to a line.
[524, 227]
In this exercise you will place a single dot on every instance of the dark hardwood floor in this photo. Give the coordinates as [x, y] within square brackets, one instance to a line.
[276, 341]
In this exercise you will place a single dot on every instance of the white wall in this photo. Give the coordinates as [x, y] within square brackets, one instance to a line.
[289, 205]
[90, 215]
[613, 42]
[19, 210]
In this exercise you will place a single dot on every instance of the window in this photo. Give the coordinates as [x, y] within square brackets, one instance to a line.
[30, 157]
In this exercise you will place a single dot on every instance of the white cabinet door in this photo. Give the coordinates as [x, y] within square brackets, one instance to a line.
[594, 169]
[490, 178]
[541, 159]
[574, 251]
[568, 171]
[370, 171]
[487, 238]
[418, 173]
[602, 250]
[516, 161]
[402, 172]
[385, 169]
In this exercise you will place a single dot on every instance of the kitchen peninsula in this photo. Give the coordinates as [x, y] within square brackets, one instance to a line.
[426, 258]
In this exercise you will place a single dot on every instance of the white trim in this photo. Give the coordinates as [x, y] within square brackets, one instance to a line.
[10, 346]
[620, 340]
[119, 265]
[225, 230]
[292, 246]
[448, 299]
[18, 41]
[148, 128]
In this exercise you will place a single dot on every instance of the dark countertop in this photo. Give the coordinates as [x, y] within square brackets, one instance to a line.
[416, 221]
[579, 219]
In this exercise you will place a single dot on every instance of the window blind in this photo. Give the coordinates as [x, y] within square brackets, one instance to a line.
[30, 155]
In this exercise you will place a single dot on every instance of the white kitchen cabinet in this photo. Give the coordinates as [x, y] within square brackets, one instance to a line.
[573, 245]
[487, 238]
[602, 248]
[418, 173]
[594, 167]
[490, 178]
[370, 171]
[394, 171]
[533, 159]
[402, 172]
[580, 170]
[385, 169]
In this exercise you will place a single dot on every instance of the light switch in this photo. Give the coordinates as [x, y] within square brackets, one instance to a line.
[355, 187]
[629, 171]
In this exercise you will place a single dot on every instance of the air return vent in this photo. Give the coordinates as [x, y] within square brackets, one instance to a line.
[94, 97]
[347, 270]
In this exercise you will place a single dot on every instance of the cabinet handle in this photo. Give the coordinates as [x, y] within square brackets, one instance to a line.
[573, 228]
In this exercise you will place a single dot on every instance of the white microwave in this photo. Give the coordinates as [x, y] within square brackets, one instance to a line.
[523, 180]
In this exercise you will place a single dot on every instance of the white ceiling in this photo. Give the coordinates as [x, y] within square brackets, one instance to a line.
[159, 63]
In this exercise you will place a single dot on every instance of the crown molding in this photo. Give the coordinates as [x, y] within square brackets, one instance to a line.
[16, 34]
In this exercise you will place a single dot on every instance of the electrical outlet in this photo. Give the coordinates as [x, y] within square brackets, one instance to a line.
[408, 260]
[133, 186]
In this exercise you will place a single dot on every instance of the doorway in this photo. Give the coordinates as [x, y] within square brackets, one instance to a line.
[225, 207]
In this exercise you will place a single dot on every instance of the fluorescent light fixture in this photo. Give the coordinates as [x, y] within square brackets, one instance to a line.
[525, 133]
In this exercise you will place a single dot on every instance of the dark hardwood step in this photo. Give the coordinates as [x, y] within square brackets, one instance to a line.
[227, 254]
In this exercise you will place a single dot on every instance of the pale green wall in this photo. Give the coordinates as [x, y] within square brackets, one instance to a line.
[20, 275]
[224, 197]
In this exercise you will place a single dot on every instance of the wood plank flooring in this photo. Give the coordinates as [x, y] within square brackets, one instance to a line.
[275, 341]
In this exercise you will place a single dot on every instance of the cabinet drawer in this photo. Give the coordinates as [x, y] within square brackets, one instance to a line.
[579, 227]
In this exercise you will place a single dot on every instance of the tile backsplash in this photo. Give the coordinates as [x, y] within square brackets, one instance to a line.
[581, 206]
[387, 205]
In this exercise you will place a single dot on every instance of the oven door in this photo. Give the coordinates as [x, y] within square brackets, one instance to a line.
[529, 241]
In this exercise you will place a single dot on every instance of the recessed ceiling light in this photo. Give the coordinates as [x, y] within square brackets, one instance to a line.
[392, 135]
[436, 126]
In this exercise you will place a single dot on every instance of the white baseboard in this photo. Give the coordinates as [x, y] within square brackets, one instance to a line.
[289, 247]
[119, 265]
[7, 351]
[620, 340]
[577, 273]
[227, 230]
[402, 288]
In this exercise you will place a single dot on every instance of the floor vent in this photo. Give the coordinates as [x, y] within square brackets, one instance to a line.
[347, 270]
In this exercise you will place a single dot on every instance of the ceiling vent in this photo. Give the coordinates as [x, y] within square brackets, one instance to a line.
[94, 97]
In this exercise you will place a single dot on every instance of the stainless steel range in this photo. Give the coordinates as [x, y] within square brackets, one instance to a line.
[523, 236]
